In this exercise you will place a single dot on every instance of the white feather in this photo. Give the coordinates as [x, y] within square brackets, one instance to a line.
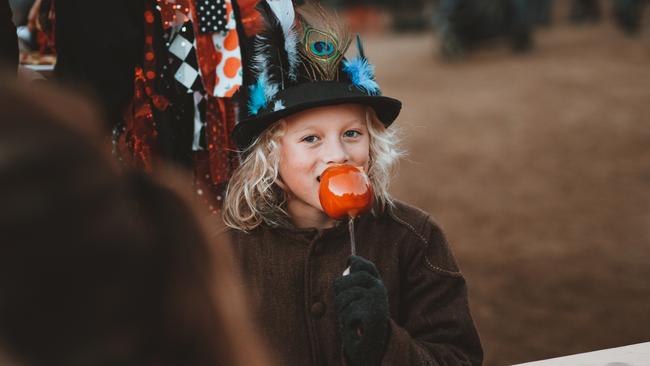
[260, 63]
[271, 90]
[261, 67]
[283, 10]
[291, 45]
[278, 105]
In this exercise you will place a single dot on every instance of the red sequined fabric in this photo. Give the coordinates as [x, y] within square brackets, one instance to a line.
[136, 143]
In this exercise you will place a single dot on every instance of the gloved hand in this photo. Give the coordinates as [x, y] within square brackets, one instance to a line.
[362, 307]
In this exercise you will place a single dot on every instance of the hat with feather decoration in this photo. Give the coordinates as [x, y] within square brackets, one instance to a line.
[298, 62]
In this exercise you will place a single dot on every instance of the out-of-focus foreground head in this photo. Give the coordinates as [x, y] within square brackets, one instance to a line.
[98, 267]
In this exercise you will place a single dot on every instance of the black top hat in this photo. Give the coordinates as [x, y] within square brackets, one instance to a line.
[298, 64]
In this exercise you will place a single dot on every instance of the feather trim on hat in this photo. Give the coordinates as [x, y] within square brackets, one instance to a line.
[275, 61]
[261, 94]
[325, 40]
[362, 72]
[274, 47]
[285, 15]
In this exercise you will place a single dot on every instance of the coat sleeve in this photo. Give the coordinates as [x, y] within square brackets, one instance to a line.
[435, 327]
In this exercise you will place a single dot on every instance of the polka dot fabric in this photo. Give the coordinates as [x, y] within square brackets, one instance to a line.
[211, 15]
[229, 69]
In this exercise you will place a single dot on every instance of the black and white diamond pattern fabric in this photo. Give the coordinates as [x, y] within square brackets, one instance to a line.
[212, 15]
[182, 59]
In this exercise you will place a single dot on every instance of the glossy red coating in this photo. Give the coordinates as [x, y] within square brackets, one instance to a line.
[345, 190]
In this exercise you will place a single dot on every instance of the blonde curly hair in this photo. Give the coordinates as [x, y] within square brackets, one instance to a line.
[254, 194]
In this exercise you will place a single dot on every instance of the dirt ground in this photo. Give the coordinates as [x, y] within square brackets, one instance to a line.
[538, 169]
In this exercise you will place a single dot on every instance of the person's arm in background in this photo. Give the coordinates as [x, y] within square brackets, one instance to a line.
[8, 38]
[33, 21]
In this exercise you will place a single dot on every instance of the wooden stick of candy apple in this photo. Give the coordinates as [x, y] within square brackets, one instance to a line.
[345, 191]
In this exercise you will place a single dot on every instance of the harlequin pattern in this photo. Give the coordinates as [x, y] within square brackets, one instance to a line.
[182, 60]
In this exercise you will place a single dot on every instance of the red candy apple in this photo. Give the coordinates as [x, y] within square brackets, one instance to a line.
[345, 190]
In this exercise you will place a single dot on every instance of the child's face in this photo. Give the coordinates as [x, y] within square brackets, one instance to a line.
[315, 139]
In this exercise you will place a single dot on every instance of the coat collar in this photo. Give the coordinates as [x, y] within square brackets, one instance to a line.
[308, 235]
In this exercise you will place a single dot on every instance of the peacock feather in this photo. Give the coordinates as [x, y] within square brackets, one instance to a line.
[324, 43]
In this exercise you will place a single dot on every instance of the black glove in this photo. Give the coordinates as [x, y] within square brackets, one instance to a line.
[362, 307]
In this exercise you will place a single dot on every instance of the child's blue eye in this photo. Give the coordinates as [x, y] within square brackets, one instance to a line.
[352, 133]
[310, 138]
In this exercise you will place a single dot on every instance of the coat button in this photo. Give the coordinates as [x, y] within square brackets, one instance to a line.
[317, 309]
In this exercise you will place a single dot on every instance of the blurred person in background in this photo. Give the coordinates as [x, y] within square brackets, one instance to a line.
[98, 45]
[37, 33]
[8, 38]
[98, 266]
[408, 15]
[628, 14]
[542, 11]
[583, 11]
[21, 9]
[464, 25]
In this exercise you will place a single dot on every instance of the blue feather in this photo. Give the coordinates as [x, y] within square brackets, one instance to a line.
[257, 98]
[362, 74]
[261, 93]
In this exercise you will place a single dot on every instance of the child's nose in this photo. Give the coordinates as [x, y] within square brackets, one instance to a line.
[335, 152]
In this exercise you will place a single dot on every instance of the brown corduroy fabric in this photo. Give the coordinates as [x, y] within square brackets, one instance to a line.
[289, 274]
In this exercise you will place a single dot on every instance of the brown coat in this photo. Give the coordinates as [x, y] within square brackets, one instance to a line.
[289, 274]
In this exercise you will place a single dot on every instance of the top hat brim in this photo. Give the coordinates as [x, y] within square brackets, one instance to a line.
[304, 96]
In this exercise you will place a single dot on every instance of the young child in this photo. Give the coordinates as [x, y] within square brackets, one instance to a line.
[405, 300]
